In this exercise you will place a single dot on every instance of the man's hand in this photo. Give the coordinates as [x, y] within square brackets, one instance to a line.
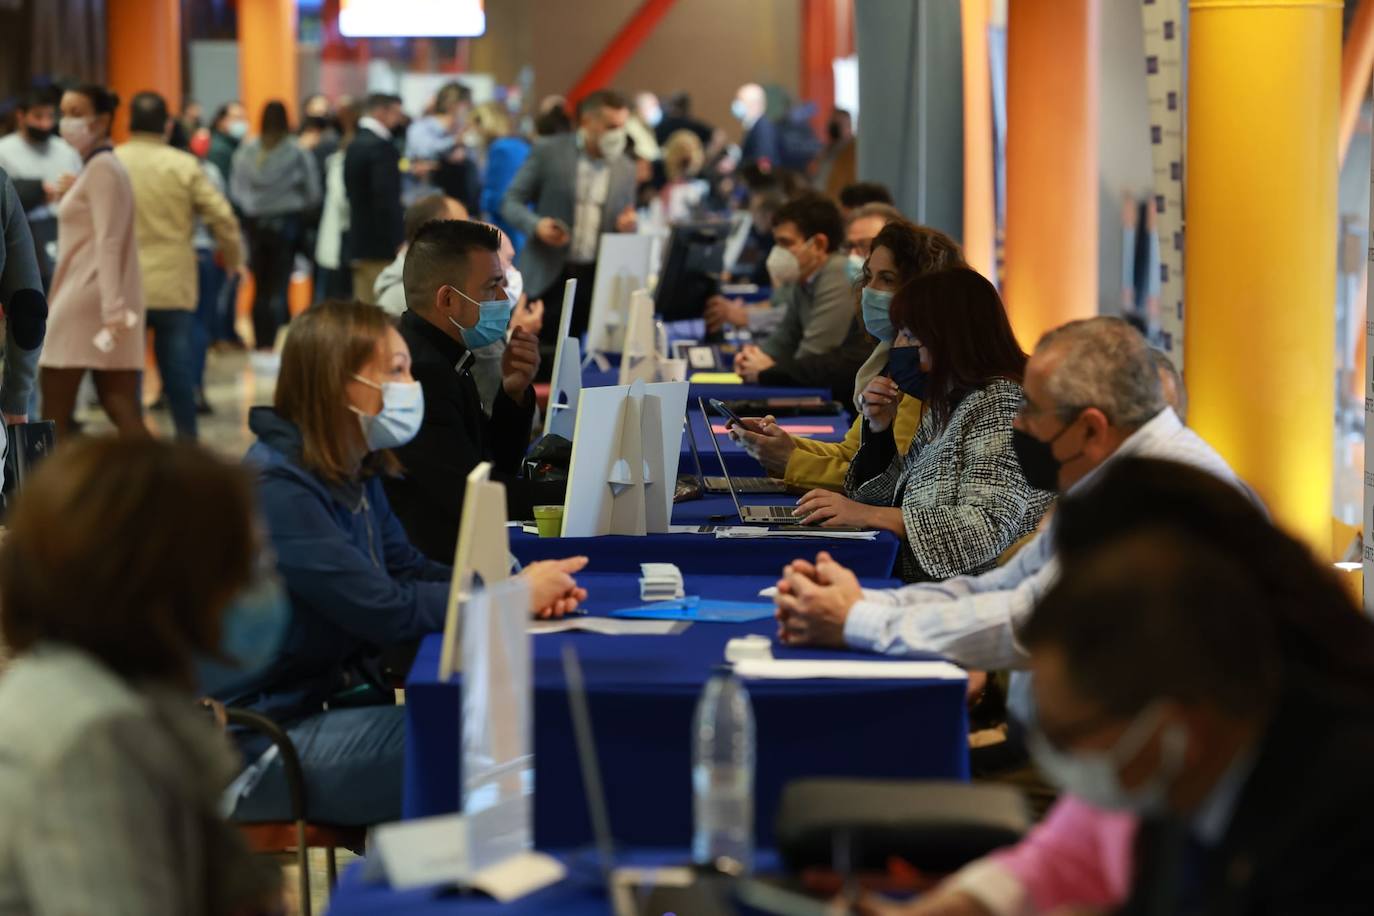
[519, 364]
[750, 361]
[766, 442]
[626, 220]
[881, 399]
[721, 311]
[528, 316]
[553, 590]
[551, 232]
[813, 602]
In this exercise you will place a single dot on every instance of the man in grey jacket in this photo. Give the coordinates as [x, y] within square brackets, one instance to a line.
[581, 185]
[25, 310]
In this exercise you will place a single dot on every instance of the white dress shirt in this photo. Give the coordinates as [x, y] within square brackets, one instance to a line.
[593, 187]
[974, 619]
[367, 122]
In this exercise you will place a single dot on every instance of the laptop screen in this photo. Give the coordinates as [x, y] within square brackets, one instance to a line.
[725, 472]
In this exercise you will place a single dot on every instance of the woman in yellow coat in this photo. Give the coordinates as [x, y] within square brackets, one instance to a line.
[901, 252]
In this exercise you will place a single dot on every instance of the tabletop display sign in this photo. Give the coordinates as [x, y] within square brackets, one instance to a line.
[624, 262]
[565, 384]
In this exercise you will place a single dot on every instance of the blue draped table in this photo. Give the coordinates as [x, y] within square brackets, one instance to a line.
[704, 553]
[642, 692]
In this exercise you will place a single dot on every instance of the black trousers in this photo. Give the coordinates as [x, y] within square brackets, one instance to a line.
[272, 244]
[585, 275]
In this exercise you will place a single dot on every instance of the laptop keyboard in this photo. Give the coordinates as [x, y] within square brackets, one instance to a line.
[778, 512]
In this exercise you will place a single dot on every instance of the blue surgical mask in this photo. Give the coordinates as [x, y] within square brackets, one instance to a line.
[492, 318]
[737, 109]
[403, 410]
[1095, 776]
[877, 309]
[251, 634]
[904, 368]
[854, 266]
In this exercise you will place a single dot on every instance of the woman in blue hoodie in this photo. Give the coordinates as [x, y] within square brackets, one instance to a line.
[345, 396]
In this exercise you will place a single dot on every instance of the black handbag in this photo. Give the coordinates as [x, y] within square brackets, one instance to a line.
[28, 444]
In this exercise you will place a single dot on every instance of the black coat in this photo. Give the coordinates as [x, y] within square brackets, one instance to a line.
[1300, 839]
[455, 437]
[372, 177]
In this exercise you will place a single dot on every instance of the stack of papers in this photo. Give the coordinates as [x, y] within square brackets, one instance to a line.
[660, 582]
[847, 669]
[747, 532]
[607, 627]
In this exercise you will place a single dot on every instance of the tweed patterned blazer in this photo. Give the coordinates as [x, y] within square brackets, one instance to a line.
[963, 497]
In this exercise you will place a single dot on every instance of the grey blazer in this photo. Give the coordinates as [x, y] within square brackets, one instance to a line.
[548, 179]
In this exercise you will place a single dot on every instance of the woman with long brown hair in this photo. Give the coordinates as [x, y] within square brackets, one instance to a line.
[275, 183]
[957, 498]
[346, 397]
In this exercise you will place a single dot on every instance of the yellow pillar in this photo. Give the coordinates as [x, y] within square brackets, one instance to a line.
[980, 218]
[1052, 193]
[267, 56]
[143, 38]
[1263, 102]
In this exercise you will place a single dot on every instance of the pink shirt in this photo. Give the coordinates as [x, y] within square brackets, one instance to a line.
[1077, 856]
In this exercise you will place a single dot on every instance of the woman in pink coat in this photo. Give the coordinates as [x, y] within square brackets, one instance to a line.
[95, 320]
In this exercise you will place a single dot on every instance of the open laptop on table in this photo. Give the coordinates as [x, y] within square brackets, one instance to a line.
[779, 518]
[719, 484]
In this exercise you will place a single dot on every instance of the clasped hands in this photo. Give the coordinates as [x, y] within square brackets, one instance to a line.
[814, 600]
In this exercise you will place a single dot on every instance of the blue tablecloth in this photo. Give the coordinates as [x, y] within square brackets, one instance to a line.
[739, 462]
[581, 893]
[642, 693]
[704, 553]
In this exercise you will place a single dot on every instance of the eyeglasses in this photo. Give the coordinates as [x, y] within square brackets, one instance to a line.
[1028, 408]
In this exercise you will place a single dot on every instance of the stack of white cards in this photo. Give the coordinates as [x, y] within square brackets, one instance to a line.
[660, 582]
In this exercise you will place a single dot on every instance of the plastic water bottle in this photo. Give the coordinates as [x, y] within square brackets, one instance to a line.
[723, 776]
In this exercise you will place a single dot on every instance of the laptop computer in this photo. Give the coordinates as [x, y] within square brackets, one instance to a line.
[750, 515]
[718, 484]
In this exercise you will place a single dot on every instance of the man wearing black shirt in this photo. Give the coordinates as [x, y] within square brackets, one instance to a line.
[456, 302]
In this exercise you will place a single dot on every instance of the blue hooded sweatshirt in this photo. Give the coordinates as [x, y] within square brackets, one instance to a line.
[356, 583]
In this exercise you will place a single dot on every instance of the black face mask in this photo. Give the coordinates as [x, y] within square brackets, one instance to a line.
[317, 122]
[36, 134]
[1036, 457]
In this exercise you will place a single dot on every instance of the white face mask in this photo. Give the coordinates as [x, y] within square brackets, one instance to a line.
[613, 143]
[783, 266]
[77, 132]
[1094, 776]
[238, 129]
[403, 410]
[515, 285]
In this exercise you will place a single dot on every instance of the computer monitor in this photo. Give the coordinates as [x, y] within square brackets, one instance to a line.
[691, 271]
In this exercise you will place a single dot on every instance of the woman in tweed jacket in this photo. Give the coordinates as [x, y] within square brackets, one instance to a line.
[957, 498]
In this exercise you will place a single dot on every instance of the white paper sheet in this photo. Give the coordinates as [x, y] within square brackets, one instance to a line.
[608, 626]
[794, 669]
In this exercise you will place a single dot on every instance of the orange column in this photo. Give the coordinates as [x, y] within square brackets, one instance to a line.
[1052, 193]
[818, 58]
[980, 212]
[1357, 62]
[143, 38]
[267, 56]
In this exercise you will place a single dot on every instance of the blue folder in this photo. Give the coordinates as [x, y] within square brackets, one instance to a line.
[699, 610]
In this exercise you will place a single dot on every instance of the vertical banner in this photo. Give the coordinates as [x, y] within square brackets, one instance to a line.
[1164, 81]
[1368, 369]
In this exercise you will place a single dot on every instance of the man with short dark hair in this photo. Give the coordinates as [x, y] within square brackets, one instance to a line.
[853, 196]
[372, 176]
[581, 185]
[812, 288]
[455, 303]
[42, 167]
[172, 191]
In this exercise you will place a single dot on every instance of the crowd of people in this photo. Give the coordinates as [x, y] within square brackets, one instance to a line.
[1190, 680]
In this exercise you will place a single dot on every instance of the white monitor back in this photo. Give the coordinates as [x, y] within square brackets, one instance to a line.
[566, 382]
[625, 457]
[624, 262]
[639, 360]
[483, 552]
